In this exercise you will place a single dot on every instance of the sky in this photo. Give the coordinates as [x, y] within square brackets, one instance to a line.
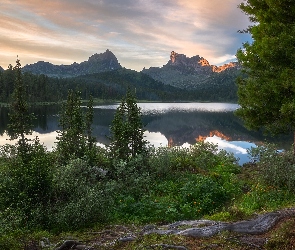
[141, 33]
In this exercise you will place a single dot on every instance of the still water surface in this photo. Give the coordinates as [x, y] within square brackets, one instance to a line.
[166, 124]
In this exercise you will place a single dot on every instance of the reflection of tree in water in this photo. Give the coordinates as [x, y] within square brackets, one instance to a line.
[178, 127]
[3, 119]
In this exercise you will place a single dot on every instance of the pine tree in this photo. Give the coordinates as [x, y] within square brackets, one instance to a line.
[267, 96]
[127, 131]
[74, 140]
[20, 120]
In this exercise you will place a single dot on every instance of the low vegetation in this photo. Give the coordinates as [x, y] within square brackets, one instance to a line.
[42, 198]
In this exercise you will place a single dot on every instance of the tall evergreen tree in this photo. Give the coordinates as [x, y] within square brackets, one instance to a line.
[127, 130]
[267, 96]
[20, 120]
[74, 139]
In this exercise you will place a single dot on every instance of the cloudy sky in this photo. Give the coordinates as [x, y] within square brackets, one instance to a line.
[141, 33]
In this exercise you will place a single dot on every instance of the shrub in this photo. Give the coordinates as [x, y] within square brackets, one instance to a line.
[276, 168]
[26, 184]
[80, 198]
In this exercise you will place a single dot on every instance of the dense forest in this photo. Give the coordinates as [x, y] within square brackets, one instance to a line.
[112, 85]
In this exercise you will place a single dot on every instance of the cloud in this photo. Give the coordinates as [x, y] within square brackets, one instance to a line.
[140, 33]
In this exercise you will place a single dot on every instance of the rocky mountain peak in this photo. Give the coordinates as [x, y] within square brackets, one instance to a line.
[96, 63]
[107, 55]
[196, 62]
[187, 72]
[226, 66]
[184, 61]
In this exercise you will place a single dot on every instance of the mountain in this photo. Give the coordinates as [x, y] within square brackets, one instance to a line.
[102, 76]
[97, 63]
[191, 72]
[1, 69]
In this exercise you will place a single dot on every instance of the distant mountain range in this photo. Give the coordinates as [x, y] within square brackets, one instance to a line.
[97, 63]
[180, 71]
[1, 69]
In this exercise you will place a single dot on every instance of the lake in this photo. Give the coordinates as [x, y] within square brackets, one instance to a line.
[166, 124]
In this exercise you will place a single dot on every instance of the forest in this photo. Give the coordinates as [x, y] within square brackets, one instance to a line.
[112, 85]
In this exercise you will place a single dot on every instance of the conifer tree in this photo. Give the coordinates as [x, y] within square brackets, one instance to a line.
[74, 140]
[127, 131]
[20, 120]
[267, 96]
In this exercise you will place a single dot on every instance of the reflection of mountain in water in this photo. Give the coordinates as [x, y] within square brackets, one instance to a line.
[189, 127]
[178, 127]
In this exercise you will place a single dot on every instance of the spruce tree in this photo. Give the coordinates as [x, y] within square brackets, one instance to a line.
[267, 96]
[20, 120]
[74, 140]
[127, 130]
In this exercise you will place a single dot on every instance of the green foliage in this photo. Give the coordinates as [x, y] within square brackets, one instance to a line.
[80, 199]
[75, 139]
[175, 186]
[277, 168]
[199, 158]
[25, 174]
[20, 119]
[127, 131]
[25, 188]
[266, 97]
[265, 198]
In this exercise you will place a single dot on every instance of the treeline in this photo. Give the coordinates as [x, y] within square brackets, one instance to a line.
[112, 85]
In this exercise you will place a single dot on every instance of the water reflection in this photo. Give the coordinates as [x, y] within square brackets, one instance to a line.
[161, 108]
[167, 124]
[238, 148]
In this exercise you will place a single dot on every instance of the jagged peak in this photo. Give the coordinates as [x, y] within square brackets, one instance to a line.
[226, 66]
[197, 62]
[102, 56]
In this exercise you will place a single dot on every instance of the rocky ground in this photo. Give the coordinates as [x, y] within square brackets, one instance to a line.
[274, 230]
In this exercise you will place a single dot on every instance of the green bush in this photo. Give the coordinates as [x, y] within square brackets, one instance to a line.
[80, 198]
[199, 158]
[277, 168]
[26, 184]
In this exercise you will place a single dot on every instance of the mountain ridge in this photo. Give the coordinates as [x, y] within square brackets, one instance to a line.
[189, 72]
[96, 63]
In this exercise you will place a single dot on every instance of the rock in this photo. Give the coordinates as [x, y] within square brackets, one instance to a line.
[73, 244]
[127, 239]
[206, 231]
[192, 223]
[165, 246]
[207, 228]
[149, 227]
[260, 225]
